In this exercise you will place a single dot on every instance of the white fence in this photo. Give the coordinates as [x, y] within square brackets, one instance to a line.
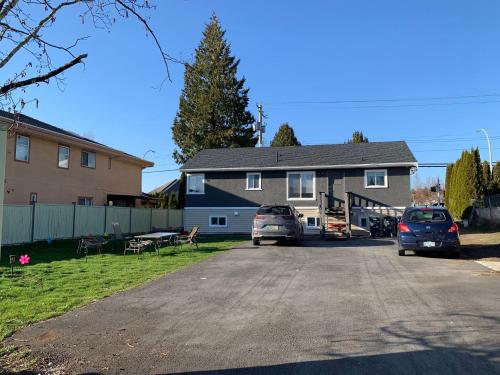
[39, 222]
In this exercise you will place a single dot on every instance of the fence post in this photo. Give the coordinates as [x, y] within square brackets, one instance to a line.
[105, 218]
[130, 220]
[33, 222]
[74, 219]
[151, 219]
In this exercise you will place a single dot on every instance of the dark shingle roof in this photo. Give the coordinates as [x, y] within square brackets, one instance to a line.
[167, 187]
[43, 125]
[339, 155]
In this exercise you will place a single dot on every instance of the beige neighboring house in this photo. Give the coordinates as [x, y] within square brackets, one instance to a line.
[47, 164]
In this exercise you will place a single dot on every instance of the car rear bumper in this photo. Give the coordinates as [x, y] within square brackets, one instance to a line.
[439, 246]
[273, 235]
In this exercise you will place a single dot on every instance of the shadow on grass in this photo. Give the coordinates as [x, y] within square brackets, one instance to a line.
[480, 251]
[43, 252]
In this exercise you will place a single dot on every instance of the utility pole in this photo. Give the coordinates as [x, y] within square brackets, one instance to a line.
[438, 188]
[489, 145]
[259, 126]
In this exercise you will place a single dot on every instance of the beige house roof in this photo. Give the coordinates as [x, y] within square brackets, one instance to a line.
[30, 125]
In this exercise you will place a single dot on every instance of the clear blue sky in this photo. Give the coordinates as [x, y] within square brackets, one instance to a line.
[297, 51]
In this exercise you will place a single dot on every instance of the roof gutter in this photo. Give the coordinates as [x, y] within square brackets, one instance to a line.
[302, 168]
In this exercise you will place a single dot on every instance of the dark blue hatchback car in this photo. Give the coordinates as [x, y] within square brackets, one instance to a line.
[428, 229]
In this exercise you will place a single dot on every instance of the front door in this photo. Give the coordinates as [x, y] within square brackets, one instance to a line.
[335, 189]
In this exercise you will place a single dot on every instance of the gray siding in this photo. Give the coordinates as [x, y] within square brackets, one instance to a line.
[227, 189]
[397, 194]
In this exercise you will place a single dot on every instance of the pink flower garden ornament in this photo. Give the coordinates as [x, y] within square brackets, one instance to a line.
[24, 259]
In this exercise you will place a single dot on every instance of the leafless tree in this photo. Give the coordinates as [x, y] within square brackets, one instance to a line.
[25, 34]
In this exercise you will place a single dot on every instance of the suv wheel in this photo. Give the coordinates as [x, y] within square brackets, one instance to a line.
[256, 242]
[401, 253]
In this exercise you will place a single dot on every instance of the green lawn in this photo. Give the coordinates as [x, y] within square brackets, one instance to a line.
[56, 280]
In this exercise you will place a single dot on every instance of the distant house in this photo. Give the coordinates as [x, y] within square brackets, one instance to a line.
[169, 191]
[224, 187]
[47, 164]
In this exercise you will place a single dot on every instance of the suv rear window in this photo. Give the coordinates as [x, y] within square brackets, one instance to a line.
[425, 215]
[274, 210]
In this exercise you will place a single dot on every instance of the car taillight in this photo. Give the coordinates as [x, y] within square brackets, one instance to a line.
[453, 228]
[403, 228]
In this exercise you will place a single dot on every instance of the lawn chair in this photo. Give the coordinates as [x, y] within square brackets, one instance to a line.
[118, 233]
[91, 242]
[135, 246]
[190, 238]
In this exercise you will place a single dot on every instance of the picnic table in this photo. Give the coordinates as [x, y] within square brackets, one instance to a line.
[158, 238]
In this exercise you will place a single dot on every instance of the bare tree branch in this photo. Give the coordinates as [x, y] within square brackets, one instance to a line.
[35, 31]
[42, 78]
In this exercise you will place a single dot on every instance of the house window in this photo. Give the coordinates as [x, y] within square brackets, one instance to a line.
[85, 201]
[301, 185]
[253, 181]
[313, 222]
[33, 197]
[217, 221]
[376, 178]
[88, 159]
[22, 148]
[195, 183]
[63, 157]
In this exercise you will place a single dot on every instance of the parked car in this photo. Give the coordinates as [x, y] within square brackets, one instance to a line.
[429, 228]
[277, 223]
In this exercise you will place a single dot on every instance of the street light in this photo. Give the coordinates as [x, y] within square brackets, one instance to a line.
[144, 156]
[489, 145]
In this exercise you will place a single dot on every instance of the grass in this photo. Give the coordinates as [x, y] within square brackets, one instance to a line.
[56, 280]
[475, 238]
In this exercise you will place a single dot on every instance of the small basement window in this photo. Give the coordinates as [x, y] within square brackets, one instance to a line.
[218, 221]
[376, 178]
[313, 222]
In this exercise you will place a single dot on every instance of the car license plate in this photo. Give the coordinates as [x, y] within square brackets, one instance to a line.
[429, 244]
[273, 227]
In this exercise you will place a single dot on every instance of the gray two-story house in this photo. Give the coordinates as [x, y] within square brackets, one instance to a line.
[224, 187]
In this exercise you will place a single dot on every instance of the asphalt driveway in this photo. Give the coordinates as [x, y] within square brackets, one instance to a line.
[345, 307]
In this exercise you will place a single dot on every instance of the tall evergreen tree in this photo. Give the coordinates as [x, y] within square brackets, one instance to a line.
[285, 136]
[486, 175]
[212, 108]
[358, 137]
[477, 177]
[495, 178]
[448, 185]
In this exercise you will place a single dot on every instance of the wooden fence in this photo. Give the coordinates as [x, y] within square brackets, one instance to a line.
[40, 222]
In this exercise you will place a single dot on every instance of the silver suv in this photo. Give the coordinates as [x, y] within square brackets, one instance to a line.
[277, 223]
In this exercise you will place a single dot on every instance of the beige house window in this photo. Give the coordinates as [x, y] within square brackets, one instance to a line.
[63, 157]
[85, 201]
[88, 159]
[22, 148]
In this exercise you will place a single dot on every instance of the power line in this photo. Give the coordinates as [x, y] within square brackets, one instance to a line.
[344, 101]
[163, 170]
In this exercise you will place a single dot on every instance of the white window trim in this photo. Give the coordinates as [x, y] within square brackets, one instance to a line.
[59, 146]
[15, 147]
[260, 181]
[301, 199]
[216, 226]
[315, 221]
[386, 179]
[202, 184]
[88, 153]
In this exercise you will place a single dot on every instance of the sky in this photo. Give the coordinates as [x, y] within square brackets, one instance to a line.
[372, 57]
